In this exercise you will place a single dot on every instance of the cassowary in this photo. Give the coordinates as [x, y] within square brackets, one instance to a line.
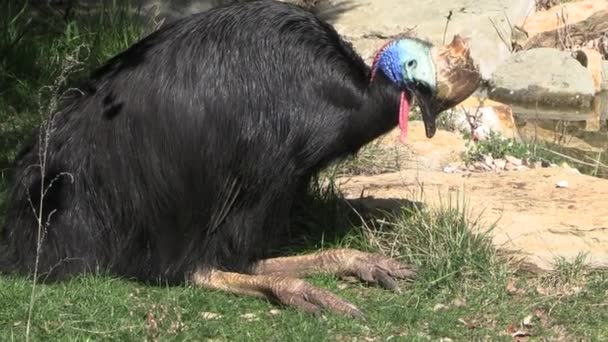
[180, 159]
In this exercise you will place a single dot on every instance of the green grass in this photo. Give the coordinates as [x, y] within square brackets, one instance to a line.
[498, 147]
[458, 269]
[33, 48]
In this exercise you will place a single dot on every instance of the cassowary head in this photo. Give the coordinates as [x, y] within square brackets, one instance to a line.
[439, 77]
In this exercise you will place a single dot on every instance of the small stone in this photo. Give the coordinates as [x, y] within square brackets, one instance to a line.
[562, 184]
[537, 164]
[450, 169]
[445, 339]
[500, 163]
[342, 286]
[509, 167]
[528, 321]
[440, 307]
[275, 312]
[513, 160]
[488, 160]
[481, 166]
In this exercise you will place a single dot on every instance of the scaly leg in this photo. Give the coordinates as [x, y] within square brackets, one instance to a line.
[288, 291]
[371, 268]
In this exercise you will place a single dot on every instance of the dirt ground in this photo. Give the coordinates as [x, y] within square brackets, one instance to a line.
[534, 218]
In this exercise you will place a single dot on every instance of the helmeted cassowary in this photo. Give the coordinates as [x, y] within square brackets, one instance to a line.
[181, 158]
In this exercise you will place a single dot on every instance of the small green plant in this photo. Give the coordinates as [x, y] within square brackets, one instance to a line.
[497, 147]
[446, 243]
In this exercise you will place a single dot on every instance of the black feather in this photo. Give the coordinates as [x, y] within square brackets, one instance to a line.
[189, 149]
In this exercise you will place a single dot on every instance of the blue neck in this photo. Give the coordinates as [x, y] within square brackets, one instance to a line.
[390, 61]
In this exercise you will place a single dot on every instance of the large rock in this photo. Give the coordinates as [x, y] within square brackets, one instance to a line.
[543, 77]
[568, 13]
[605, 75]
[368, 23]
[592, 60]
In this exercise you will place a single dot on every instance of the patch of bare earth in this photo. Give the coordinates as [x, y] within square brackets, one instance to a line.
[534, 218]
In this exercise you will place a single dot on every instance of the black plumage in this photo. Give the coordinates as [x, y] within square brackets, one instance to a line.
[189, 149]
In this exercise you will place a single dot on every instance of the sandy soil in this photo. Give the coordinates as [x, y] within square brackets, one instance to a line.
[534, 219]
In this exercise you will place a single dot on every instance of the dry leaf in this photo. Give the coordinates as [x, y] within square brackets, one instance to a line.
[470, 324]
[542, 290]
[210, 316]
[520, 333]
[440, 307]
[250, 317]
[459, 302]
[512, 289]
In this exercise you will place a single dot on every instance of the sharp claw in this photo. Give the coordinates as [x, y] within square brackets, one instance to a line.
[385, 280]
[356, 313]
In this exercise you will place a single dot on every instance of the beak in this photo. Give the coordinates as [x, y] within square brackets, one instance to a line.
[455, 77]
[429, 108]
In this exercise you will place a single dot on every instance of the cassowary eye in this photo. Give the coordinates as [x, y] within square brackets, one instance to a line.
[412, 63]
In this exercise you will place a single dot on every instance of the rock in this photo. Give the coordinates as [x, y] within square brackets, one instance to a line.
[548, 20]
[451, 169]
[592, 60]
[481, 166]
[481, 116]
[604, 75]
[543, 77]
[513, 160]
[500, 163]
[428, 18]
[562, 184]
[488, 160]
[588, 32]
[509, 167]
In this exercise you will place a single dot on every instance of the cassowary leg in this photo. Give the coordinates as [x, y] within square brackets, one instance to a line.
[288, 291]
[371, 268]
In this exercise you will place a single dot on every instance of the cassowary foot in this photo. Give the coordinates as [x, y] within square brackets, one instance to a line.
[371, 268]
[287, 291]
[378, 269]
[304, 296]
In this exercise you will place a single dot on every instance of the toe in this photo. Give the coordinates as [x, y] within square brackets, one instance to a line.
[385, 280]
[395, 268]
[332, 302]
[298, 301]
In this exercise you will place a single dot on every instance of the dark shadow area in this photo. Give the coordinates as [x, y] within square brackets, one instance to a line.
[323, 219]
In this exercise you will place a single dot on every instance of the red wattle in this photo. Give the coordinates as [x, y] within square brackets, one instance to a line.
[404, 113]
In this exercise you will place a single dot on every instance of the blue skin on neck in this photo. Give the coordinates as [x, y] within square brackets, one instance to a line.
[394, 58]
